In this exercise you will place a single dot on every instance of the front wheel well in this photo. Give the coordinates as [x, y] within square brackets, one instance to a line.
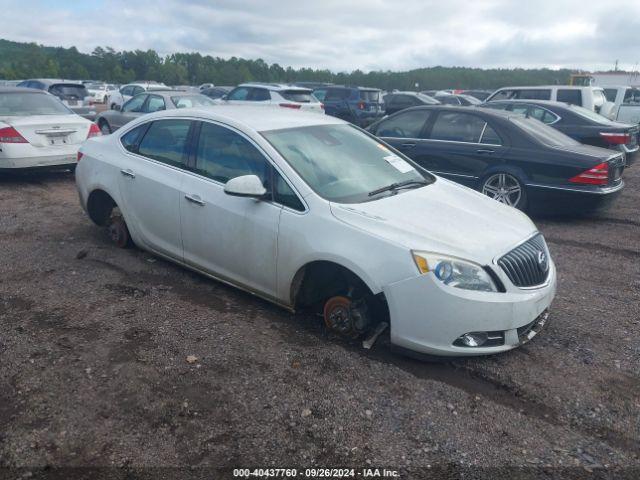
[99, 207]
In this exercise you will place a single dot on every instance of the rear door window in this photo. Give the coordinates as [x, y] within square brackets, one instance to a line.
[572, 97]
[135, 104]
[457, 127]
[155, 104]
[166, 141]
[631, 97]
[240, 93]
[404, 125]
[611, 94]
[259, 95]
[490, 137]
[136, 90]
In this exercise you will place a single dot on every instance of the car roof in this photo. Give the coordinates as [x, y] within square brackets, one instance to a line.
[53, 81]
[275, 86]
[547, 103]
[464, 109]
[21, 90]
[257, 118]
[564, 87]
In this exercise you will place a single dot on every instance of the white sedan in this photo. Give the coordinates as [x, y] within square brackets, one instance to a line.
[37, 130]
[310, 212]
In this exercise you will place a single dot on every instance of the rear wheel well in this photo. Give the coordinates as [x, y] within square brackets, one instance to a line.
[318, 281]
[99, 207]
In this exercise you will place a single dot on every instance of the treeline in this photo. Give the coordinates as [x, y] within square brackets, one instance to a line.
[29, 60]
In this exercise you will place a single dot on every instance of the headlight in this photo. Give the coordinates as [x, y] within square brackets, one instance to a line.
[454, 272]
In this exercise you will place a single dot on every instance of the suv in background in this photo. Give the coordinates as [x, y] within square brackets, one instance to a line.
[359, 105]
[592, 98]
[73, 94]
[396, 101]
[272, 94]
[130, 90]
[625, 104]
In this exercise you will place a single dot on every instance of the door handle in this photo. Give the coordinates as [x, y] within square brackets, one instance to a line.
[407, 146]
[128, 173]
[195, 199]
[485, 151]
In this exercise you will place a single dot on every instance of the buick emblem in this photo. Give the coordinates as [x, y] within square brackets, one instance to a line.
[543, 262]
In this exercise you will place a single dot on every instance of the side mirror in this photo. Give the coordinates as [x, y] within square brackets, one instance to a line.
[117, 107]
[245, 186]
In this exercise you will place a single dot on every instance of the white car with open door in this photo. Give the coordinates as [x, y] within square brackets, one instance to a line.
[38, 130]
[310, 212]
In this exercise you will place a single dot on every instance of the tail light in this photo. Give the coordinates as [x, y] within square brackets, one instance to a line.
[616, 138]
[80, 155]
[361, 105]
[295, 106]
[11, 135]
[94, 131]
[598, 175]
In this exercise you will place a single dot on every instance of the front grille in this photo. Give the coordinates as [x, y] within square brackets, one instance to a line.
[527, 265]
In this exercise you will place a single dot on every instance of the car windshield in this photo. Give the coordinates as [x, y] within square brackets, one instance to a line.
[590, 115]
[21, 104]
[188, 101]
[543, 133]
[341, 163]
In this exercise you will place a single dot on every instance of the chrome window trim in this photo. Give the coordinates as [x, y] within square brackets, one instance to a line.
[190, 172]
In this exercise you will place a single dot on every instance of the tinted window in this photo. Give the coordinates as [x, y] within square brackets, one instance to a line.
[154, 104]
[403, 125]
[320, 94]
[543, 133]
[336, 94]
[448, 100]
[239, 93]
[301, 96]
[489, 136]
[222, 154]
[69, 91]
[260, 95]
[545, 116]
[166, 141]
[15, 104]
[534, 94]
[127, 90]
[284, 194]
[137, 90]
[130, 139]
[457, 127]
[631, 97]
[574, 97]
[611, 94]
[135, 104]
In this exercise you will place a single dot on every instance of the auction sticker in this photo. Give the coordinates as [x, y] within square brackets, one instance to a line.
[398, 163]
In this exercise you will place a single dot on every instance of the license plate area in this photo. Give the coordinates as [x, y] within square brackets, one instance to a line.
[57, 140]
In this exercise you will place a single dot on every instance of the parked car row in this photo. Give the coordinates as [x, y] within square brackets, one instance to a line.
[73, 94]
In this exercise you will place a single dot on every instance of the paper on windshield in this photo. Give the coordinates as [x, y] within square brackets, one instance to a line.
[398, 163]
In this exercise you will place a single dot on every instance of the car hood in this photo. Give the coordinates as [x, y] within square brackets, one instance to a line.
[443, 217]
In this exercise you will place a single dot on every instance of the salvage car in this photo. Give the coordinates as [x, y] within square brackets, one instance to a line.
[579, 123]
[38, 131]
[149, 102]
[73, 94]
[513, 159]
[310, 212]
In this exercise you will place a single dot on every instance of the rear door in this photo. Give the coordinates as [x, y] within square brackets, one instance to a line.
[151, 182]
[460, 146]
[238, 95]
[233, 238]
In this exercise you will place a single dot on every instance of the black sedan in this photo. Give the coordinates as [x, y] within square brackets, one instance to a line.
[516, 160]
[396, 101]
[579, 123]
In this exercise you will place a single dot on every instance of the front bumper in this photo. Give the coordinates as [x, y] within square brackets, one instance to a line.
[428, 317]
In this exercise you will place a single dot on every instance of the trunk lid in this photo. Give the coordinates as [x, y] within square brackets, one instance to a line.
[50, 130]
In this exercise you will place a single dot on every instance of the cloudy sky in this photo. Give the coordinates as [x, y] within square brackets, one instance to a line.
[343, 35]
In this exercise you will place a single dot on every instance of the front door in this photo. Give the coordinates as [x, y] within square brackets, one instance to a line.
[233, 238]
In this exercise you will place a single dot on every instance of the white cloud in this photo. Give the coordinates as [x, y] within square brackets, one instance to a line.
[339, 35]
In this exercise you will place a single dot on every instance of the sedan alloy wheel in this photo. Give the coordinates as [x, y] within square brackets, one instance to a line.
[504, 188]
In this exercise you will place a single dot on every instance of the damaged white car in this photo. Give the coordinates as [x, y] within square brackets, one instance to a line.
[310, 212]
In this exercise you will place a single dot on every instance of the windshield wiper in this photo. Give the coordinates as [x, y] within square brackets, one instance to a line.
[397, 186]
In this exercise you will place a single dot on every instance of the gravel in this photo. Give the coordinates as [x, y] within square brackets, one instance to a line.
[116, 359]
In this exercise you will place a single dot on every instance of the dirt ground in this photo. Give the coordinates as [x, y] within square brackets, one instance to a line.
[94, 343]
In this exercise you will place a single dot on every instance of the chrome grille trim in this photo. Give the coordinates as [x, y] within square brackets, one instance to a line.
[521, 264]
